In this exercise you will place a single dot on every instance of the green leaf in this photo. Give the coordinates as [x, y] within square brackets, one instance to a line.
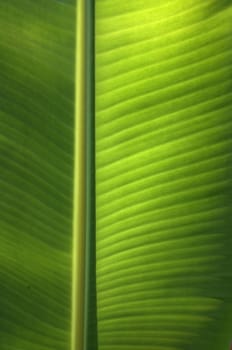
[163, 181]
[163, 152]
[37, 56]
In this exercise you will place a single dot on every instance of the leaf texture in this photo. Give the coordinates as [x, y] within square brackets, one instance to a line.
[37, 48]
[163, 174]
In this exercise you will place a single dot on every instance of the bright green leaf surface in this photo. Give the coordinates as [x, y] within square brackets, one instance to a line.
[37, 47]
[163, 156]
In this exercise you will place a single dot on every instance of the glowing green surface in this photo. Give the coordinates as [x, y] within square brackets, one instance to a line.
[163, 180]
[163, 157]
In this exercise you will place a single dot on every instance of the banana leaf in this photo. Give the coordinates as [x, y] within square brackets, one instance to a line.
[37, 64]
[115, 225]
[163, 174]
